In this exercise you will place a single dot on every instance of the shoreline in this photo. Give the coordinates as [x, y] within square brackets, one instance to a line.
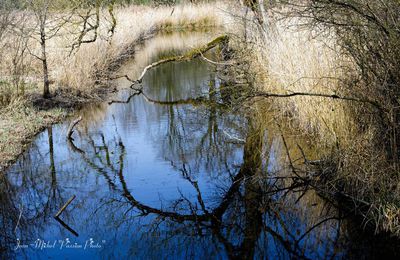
[32, 114]
[20, 127]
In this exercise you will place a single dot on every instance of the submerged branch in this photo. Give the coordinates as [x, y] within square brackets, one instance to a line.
[199, 101]
[66, 226]
[234, 138]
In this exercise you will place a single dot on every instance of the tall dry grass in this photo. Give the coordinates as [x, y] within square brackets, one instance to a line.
[74, 76]
[132, 23]
[287, 57]
[77, 71]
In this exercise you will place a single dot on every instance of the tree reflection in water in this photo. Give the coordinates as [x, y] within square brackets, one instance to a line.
[173, 174]
[245, 216]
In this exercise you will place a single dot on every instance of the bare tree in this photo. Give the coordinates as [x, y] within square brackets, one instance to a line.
[47, 26]
[51, 17]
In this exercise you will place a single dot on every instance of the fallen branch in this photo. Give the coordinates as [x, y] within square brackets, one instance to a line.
[190, 101]
[155, 64]
[65, 206]
[187, 56]
[71, 127]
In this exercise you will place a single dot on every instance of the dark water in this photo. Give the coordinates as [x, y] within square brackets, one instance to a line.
[188, 180]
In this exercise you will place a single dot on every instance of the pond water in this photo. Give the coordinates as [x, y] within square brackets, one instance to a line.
[180, 180]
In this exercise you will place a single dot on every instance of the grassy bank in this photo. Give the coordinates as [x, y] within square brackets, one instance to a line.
[19, 123]
[83, 76]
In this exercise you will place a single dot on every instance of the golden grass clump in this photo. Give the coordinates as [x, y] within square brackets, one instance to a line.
[345, 136]
[285, 57]
[298, 61]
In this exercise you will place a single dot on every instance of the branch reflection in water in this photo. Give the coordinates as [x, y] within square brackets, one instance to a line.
[155, 177]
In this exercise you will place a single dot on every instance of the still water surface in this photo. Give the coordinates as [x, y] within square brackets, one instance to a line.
[161, 180]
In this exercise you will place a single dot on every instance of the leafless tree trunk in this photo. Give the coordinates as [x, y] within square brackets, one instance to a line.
[46, 83]
[41, 10]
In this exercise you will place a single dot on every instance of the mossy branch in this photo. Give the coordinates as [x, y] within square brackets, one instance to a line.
[194, 53]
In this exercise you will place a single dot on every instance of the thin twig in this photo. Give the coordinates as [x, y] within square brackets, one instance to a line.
[333, 96]
[65, 206]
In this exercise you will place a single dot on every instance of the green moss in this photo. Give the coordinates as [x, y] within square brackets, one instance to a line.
[197, 51]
